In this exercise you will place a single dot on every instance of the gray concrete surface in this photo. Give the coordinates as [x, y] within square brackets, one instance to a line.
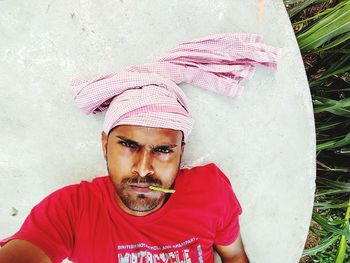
[264, 141]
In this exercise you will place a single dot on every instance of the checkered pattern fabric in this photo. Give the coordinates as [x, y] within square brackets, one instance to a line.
[148, 95]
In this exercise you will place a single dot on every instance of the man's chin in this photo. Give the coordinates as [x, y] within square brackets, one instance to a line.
[141, 203]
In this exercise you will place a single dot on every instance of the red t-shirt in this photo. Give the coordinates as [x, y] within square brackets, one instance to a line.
[84, 223]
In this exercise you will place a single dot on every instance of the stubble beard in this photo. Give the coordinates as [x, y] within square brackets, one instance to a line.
[138, 202]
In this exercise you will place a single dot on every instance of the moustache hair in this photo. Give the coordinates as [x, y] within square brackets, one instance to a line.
[142, 180]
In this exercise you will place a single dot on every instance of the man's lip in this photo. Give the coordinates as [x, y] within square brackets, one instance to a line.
[140, 185]
[141, 188]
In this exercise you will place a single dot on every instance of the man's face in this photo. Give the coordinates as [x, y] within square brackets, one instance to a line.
[138, 157]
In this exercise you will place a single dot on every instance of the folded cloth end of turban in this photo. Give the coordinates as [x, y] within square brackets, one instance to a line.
[218, 63]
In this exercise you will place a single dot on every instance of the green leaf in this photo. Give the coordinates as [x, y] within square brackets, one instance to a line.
[320, 127]
[337, 107]
[332, 25]
[329, 205]
[343, 142]
[333, 63]
[325, 244]
[288, 2]
[318, 15]
[343, 243]
[334, 72]
[341, 185]
[334, 90]
[325, 225]
[319, 232]
[338, 51]
[330, 192]
[339, 40]
[341, 250]
[340, 168]
[301, 6]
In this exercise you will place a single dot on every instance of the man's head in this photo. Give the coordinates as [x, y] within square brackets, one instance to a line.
[138, 157]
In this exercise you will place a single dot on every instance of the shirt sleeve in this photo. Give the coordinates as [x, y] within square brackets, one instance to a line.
[228, 228]
[50, 225]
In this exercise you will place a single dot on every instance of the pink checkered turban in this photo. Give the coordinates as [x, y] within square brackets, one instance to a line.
[148, 95]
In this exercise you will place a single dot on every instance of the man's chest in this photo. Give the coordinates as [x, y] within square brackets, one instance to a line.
[180, 235]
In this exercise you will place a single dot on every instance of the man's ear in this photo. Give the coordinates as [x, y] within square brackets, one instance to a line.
[183, 144]
[104, 141]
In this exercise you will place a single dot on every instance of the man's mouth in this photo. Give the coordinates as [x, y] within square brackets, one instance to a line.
[141, 187]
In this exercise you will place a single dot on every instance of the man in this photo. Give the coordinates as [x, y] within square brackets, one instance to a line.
[147, 209]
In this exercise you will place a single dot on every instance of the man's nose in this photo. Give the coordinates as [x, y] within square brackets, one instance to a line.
[143, 165]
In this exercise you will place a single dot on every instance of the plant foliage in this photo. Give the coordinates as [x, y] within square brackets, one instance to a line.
[322, 30]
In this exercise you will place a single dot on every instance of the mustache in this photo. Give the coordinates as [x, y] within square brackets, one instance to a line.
[142, 180]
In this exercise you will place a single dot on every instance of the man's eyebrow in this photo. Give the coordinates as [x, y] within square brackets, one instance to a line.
[153, 146]
[128, 140]
[165, 146]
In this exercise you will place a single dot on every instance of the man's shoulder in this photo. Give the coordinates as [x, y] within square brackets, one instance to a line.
[205, 176]
[85, 188]
[85, 183]
[210, 167]
[96, 181]
[210, 170]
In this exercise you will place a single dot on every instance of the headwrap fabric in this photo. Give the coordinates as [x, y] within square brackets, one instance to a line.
[147, 95]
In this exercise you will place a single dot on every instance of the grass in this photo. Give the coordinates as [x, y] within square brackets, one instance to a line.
[322, 29]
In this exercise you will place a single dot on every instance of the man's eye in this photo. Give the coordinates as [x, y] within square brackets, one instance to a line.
[163, 150]
[128, 144]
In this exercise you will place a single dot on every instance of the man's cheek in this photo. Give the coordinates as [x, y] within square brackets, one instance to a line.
[167, 178]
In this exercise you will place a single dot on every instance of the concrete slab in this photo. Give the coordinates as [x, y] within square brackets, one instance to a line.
[264, 141]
